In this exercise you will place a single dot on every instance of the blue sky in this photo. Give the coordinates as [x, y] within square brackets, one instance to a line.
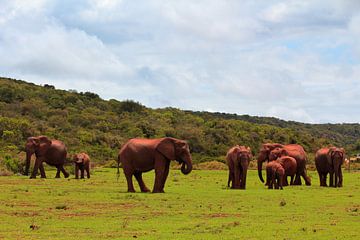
[295, 60]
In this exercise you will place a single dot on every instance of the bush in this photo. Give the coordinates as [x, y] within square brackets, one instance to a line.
[13, 165]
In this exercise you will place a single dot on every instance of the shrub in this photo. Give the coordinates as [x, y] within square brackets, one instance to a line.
[13, 165]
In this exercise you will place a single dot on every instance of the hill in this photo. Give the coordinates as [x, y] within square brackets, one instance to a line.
[85, 122]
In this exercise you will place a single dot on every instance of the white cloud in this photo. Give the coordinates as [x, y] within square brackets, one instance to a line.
[296, 60]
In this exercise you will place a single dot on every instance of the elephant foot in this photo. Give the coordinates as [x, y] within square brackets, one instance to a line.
[158, 191]
[43, 176]
[66, 175]
[32, 177]
[131, 190]
[145, 190]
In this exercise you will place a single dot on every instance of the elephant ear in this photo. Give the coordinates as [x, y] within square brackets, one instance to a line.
[167, 148]
[44, 143]
[250, 153]
[284, 152]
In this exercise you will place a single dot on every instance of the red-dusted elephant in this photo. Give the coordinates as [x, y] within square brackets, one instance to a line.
[238, 159]
[293, 150]
[142, 155]
[82, 163]
[277, 171]
[329, 161]
[53, 152]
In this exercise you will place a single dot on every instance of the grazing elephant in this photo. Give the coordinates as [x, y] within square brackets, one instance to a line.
[53, 152]
[238, 159]
[282, 167]
[82, 163]
[293, 150]
[142, 155]
[329, 160]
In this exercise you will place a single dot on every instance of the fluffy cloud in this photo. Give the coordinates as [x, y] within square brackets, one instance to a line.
[295, 60]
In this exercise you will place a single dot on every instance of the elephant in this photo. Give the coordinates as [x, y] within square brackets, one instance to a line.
[329, 160]
[238, 159]
[293, 150]
[280, 169]
[82, 163]
[53, 152]
[142, 155]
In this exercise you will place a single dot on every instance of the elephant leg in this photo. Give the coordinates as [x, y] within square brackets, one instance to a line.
[42, 170]
[35, 170]
[88, 171]
[243, 179]
[236, 180]
[76, 171]
[336, 179]
[324, 179]
[166, 174]
[285, 181]
[306, 178]
[331, 184]
[292, 180]
[82, 173]
[281, 181]
[128, 176]
[138, 176]
[57, 172]
[297, 179]
[66, 174]
[340, 178]
[160, 170]
[320, 179]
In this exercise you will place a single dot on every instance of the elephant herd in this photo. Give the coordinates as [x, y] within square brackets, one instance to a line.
[142, 155]
[54, 153]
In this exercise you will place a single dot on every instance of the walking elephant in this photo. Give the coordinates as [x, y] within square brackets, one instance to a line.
[238, 159]
[142, 155]
[278, 170]
[82, 163]
[53, 152]
[293, 150]
[329, 161]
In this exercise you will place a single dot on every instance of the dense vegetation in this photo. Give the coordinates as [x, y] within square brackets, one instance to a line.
[85, 122]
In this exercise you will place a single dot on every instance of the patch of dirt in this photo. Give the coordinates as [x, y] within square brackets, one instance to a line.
[221, 215]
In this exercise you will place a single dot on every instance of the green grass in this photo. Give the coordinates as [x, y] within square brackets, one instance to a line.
[196, 206]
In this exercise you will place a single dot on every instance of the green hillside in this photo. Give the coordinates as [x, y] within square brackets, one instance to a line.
[85, 122]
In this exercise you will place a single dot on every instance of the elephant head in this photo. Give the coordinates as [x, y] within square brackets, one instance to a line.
[174, 149]
[264, 156]
[244, 156]
[276, 153]
[79, 158]
[38, 145]
[335, 157]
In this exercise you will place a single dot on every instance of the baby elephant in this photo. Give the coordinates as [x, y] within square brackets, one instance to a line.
[277, 171]
[82, 162]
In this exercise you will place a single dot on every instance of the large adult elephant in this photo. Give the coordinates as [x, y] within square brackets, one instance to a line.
[142, 155]
[293, 150]
[238, 159]
[329, 161]
[53, 152]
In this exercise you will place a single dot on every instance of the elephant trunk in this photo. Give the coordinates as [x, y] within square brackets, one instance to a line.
[27, 163]
[259, 163]
[186, 166]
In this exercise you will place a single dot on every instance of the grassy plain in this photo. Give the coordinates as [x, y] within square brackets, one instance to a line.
[196, 206]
